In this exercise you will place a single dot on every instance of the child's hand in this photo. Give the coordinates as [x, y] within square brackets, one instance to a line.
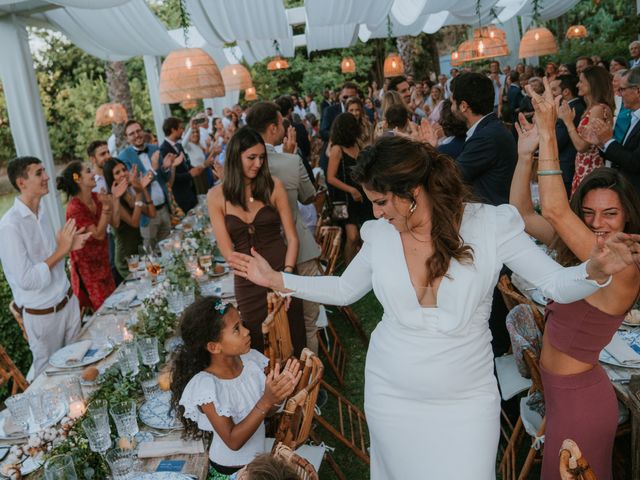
[280, 384]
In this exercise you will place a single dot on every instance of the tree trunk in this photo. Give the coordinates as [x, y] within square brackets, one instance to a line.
[407, 51]
[118, 89]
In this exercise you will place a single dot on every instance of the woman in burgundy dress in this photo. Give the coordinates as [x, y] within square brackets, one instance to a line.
[250, 210]
[580, 401]
[91, 276]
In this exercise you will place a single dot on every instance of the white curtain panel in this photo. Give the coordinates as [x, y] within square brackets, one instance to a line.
[334, 12]
[90, 4]
[331, 36]
[239, 20]
[115, 33]
[256, 50]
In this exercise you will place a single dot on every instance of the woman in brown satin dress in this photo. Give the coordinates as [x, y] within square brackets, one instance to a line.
[249, 210]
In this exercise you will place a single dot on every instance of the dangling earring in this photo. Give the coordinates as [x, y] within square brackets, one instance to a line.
[412, 207]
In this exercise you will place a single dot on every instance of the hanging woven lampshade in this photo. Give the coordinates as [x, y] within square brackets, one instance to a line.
[455, 59]
[110, 113]
[189, 74]
[250, 94]
[189, 104]
[393, 65]
[278, 63]
[490, 31]
[536, 42]
[577, 31]
[348, 65]
[236, 77]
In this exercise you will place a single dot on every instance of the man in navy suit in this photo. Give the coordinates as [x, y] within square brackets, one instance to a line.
[626, 155]
[147, 157]
[514, 95]
[487, 162]
[489, 156]
[566, 86]
[349, 89]
[181, 172]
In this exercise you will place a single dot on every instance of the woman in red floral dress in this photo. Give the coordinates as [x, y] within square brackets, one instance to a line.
[91, 276]
[597, 92]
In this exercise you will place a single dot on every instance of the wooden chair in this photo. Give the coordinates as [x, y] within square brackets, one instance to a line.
[9, 372]
[351, 428]
[13, 308]
[330, 240]
[297, 416]
[333, 351]
[513, 297]
[278, 347]
[573, 466]
[303, 468]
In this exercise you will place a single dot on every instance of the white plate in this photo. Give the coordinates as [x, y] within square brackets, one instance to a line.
[156, 413]
[33, 428]
[538, 297]
[160, 476]
[605, 357]
[629, 324]
[93, 355]
[30, 465]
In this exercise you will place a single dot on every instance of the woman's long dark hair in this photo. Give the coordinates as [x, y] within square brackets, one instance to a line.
[200, 324]
[605, 178]
[66, 181]
[601, 89]
[398, 165]
[233, 184]
[107, 170]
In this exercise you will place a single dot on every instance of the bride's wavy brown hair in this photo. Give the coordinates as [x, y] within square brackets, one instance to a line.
[398, 165]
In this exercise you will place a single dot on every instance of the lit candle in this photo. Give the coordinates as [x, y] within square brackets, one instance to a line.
[77, 409]
[198, 273]
[127, 336]
[177, 245]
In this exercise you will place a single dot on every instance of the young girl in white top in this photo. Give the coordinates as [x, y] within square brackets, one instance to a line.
[219, 385]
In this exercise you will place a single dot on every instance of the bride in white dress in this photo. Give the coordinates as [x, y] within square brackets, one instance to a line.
[433, 259]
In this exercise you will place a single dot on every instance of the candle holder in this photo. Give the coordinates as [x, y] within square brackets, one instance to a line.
[75, 398]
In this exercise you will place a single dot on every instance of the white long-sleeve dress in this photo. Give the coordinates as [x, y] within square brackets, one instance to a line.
[431, 398]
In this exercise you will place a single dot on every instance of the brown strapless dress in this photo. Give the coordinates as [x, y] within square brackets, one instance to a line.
[264, 234]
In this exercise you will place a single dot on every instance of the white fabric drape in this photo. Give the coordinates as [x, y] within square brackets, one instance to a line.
[257, 50]
[115, 33]
[327, 37]
[334, 12]
[28, 127]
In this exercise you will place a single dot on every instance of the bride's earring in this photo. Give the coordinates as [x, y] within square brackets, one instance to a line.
[412, 207]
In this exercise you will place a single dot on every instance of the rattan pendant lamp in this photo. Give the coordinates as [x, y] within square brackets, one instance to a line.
[278, 63]
[348, 65]
[577, 31]
[236, 77]
[110, 113]
[393, 64]
[537, 41]
[189, 73]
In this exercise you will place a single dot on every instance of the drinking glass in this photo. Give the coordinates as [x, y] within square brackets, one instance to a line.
[188, 296]
[99, 434]
[149, 351]
[133, 262]
[150, 386]
[60, 467]
[18, 406]
[98, 410]
[205, 262]
[124, 416]
[43, 407]
[128, 361]
[120, 462]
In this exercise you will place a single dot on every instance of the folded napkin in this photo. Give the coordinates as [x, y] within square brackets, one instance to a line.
[120, 300]
[169, 447]
[11, 428]
[77, 351]
[622, 352]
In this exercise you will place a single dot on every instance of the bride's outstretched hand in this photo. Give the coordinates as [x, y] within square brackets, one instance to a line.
[616, 253]
[254, 268]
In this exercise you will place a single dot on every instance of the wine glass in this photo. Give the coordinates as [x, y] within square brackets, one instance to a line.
[18, 406]
[124, 416]
[133, 263]
[148, 347]
[60, 467]
[99, 434]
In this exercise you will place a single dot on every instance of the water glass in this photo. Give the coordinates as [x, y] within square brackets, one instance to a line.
[120, 462]
[98, 410]
[175, 301]
[99, 434]
[150, 386]
[128, 361]
[205, 262]
[18, 406]
[189, 296]
[60, 467]
[124, 416]
[133, 263]
[43, 406]
[149, 351]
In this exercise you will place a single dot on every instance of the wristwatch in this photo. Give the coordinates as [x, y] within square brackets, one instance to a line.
[139, 203]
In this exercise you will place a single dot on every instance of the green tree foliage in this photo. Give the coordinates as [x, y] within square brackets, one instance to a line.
[7, 150]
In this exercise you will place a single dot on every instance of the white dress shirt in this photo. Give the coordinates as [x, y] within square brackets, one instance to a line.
[101, 184]
[28, 241]
[157, 195]
[473, 127]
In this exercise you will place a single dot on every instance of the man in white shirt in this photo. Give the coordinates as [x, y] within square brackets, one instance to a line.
[634, 50]
[498, 80]
[33, 263]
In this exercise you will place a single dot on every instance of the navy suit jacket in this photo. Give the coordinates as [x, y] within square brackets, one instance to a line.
[130, 157]
[183, 190]
[514, 97]
[566, 149]
[626, 157]
[328, 116]
[488, 160]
